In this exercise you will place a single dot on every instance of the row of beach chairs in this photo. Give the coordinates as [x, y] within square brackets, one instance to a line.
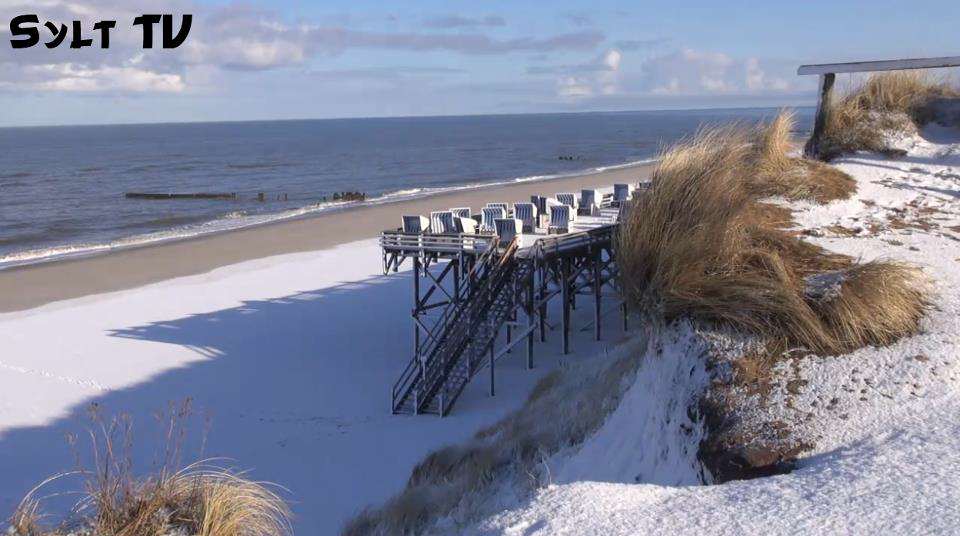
[496, 218]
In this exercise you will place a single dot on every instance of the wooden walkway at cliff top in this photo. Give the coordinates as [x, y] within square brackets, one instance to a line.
[828, 75]
[482, 283]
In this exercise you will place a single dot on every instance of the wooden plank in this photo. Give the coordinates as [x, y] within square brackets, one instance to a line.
[883, 65]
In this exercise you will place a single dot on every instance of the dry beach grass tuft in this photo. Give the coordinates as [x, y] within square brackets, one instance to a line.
[198, 499]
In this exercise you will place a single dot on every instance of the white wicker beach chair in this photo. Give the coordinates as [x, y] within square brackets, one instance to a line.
[415, 224]
[441, 221]
[588, 202]
[540, 202]
[526, 213]
[559, 219]
[490, 214]
[461, 212]
[504, 206]
[507, 229]
[568, 199]
[621, 193]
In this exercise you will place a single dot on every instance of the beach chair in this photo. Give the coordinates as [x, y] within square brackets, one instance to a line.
[621, 193]
[461, 212]
[540, 202]
[441, 221]
[568, 199]
[526, 213]
[559, 219]
[588, 202]
[466, 225]
[507, 229]
[490, 215]
[504, 206]
[415, 224]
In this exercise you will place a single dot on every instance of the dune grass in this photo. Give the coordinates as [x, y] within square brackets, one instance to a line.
[697, 244]
[777, 173]
[865, 116]
[199, 499]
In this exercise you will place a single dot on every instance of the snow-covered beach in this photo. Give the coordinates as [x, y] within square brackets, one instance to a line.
[287, 360]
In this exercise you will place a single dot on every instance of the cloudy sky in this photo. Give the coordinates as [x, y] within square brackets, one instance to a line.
[291, 59]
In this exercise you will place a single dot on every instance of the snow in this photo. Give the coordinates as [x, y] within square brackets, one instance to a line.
[288, 361]
[884, 422]
[636, 439]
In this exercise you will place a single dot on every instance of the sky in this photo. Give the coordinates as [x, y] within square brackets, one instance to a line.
[294, 59]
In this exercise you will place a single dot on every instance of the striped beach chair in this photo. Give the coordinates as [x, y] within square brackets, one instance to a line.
[415, 224]
[526, 213]
[442, 221]
[568, 199]
[504, 206]
[588, 202]
[490, 215]
[540, 202]
[507, 229]
[461, 212]
[559, 219]
[621, 193]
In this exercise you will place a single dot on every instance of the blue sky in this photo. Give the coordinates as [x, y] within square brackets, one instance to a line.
[297, 59]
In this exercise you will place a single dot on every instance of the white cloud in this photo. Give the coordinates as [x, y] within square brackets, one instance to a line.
[233, 36]
[76, 78]
[600, 76]
[693, 72]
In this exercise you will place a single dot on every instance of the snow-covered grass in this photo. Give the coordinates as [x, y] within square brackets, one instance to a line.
[288, 361]
[863, 118]
[882, 423]
[458, 483]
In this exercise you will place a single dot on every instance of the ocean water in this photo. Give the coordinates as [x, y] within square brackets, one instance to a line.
[62, 188]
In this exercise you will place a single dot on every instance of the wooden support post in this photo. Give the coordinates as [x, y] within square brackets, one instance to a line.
[565, 298]
[416, 305]
[456, 278]
[529, 309]
[573, 295]
[493, 391]
[510, 318]
[597, 292]
[812, 147]
[543, 302]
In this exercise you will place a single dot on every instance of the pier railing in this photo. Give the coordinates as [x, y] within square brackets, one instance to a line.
[442, 243]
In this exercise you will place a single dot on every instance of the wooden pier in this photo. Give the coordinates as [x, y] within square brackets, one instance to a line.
[471, 288]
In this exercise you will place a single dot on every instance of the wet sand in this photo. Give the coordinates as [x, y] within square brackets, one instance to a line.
[30, 286]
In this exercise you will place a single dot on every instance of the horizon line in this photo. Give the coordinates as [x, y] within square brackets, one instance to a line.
[424, 116]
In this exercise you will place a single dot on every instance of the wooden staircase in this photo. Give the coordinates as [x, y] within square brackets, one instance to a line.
[463, 334]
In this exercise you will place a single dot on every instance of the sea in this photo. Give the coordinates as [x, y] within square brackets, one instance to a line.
[63, 189]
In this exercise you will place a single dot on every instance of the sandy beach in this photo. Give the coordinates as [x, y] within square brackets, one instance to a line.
[34, 285]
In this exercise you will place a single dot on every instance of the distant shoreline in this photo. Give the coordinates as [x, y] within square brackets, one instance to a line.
[67, 277]
[226, 223]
